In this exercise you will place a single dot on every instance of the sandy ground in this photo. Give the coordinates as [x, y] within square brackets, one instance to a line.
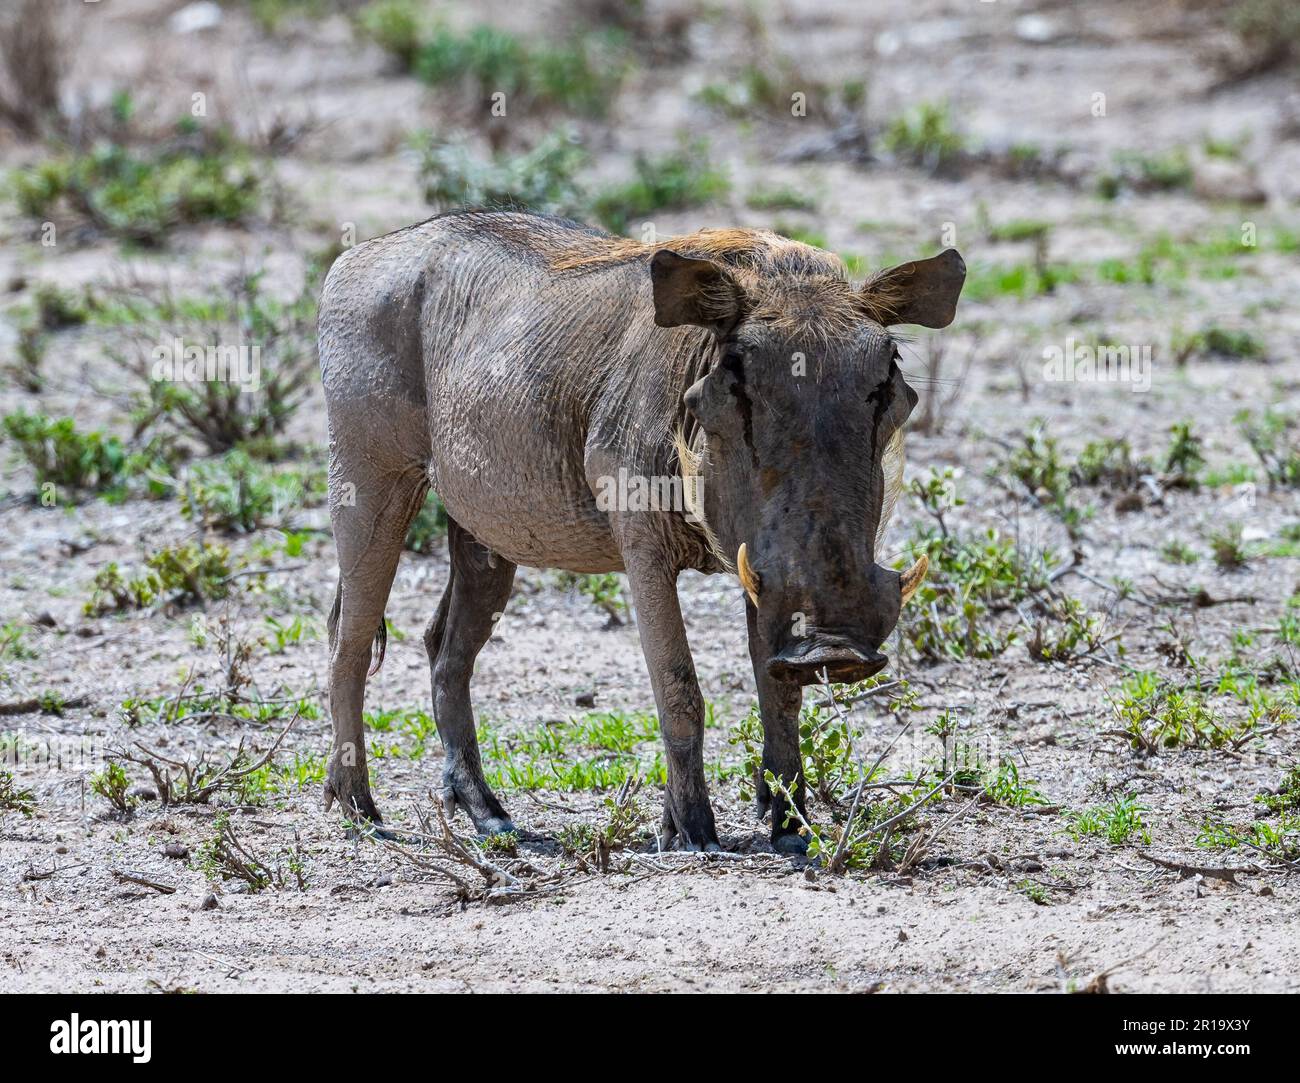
[1008, 900]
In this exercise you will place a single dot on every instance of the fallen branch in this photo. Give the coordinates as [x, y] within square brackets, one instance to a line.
[41, 703]
[128, 877]
[500, 885]
[196, 781]
[919, 847]
[832, 700]
[1211, 872]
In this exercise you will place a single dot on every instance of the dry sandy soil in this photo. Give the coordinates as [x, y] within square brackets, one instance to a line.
[1007, 898]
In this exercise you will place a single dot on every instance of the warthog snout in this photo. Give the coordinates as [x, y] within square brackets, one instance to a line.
[840, 656]
[808, 660]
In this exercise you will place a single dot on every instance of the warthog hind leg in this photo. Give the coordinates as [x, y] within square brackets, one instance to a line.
[474, 600]
[371, 512]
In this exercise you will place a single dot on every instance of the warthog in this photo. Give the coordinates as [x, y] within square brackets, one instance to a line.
[515, 363]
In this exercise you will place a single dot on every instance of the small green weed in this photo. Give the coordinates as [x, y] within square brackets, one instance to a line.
[1117, 822]
[14, 799]
[113, 784]
[926, 137]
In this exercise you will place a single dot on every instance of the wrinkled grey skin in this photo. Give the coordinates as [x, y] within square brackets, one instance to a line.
[454, 354]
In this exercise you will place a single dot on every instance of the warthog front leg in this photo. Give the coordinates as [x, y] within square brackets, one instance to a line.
[473, 601]
[688, 817]
[778, 705]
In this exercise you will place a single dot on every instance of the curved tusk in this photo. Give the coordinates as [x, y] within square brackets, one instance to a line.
[911, 579]
[748, 578]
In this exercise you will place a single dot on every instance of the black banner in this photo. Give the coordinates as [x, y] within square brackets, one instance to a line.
[145, 1032]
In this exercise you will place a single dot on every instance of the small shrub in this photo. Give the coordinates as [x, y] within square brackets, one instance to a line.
[64, 456]
[274, 339]
[1067, 633]
[605, 591]
[114, 786]
[1275, 439]
[13, 799]
[581, 74]
[1280, 840]
[780, 199]
[238, 495]
[1232, 343]
[224, 856]
[625, 818]
[1153, 716]
[1178, 552]
[674, 181]
[829, 768]
[142, 196]
[1227, 548]
[540, 180]
[825, 748]
[285, 634]
[396, 26]
[1140, 172]
[269, 14]
[1019, 230]
[503, 843]
[925, 137]
[1006, 787]
[1109, 462]
[1038, 464]
[29, 360]
[1286, 798]
[882, 834]
[1184, 459]
[55, 309]
[951, 615]
[178, 575]
[13, 643]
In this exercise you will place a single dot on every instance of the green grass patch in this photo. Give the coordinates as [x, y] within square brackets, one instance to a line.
[581, 74]
[237, 494]
[680, 179]
[142, 196]
[65, 456]
[1118, 822]
[783, 198]
[542, 179]
[927, 138]
[180, 575]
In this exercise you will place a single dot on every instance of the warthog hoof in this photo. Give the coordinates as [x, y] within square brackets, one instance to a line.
[351, 789]
[690, 846]
[694, 832]
[789, 842]
[483, 808]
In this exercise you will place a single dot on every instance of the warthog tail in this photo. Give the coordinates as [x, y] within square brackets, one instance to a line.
[381, 633]
[381, 645]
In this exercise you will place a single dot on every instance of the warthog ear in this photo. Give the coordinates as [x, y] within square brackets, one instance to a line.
[923, 291]
[694, 291]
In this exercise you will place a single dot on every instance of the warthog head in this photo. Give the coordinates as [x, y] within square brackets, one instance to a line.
[798, 445]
